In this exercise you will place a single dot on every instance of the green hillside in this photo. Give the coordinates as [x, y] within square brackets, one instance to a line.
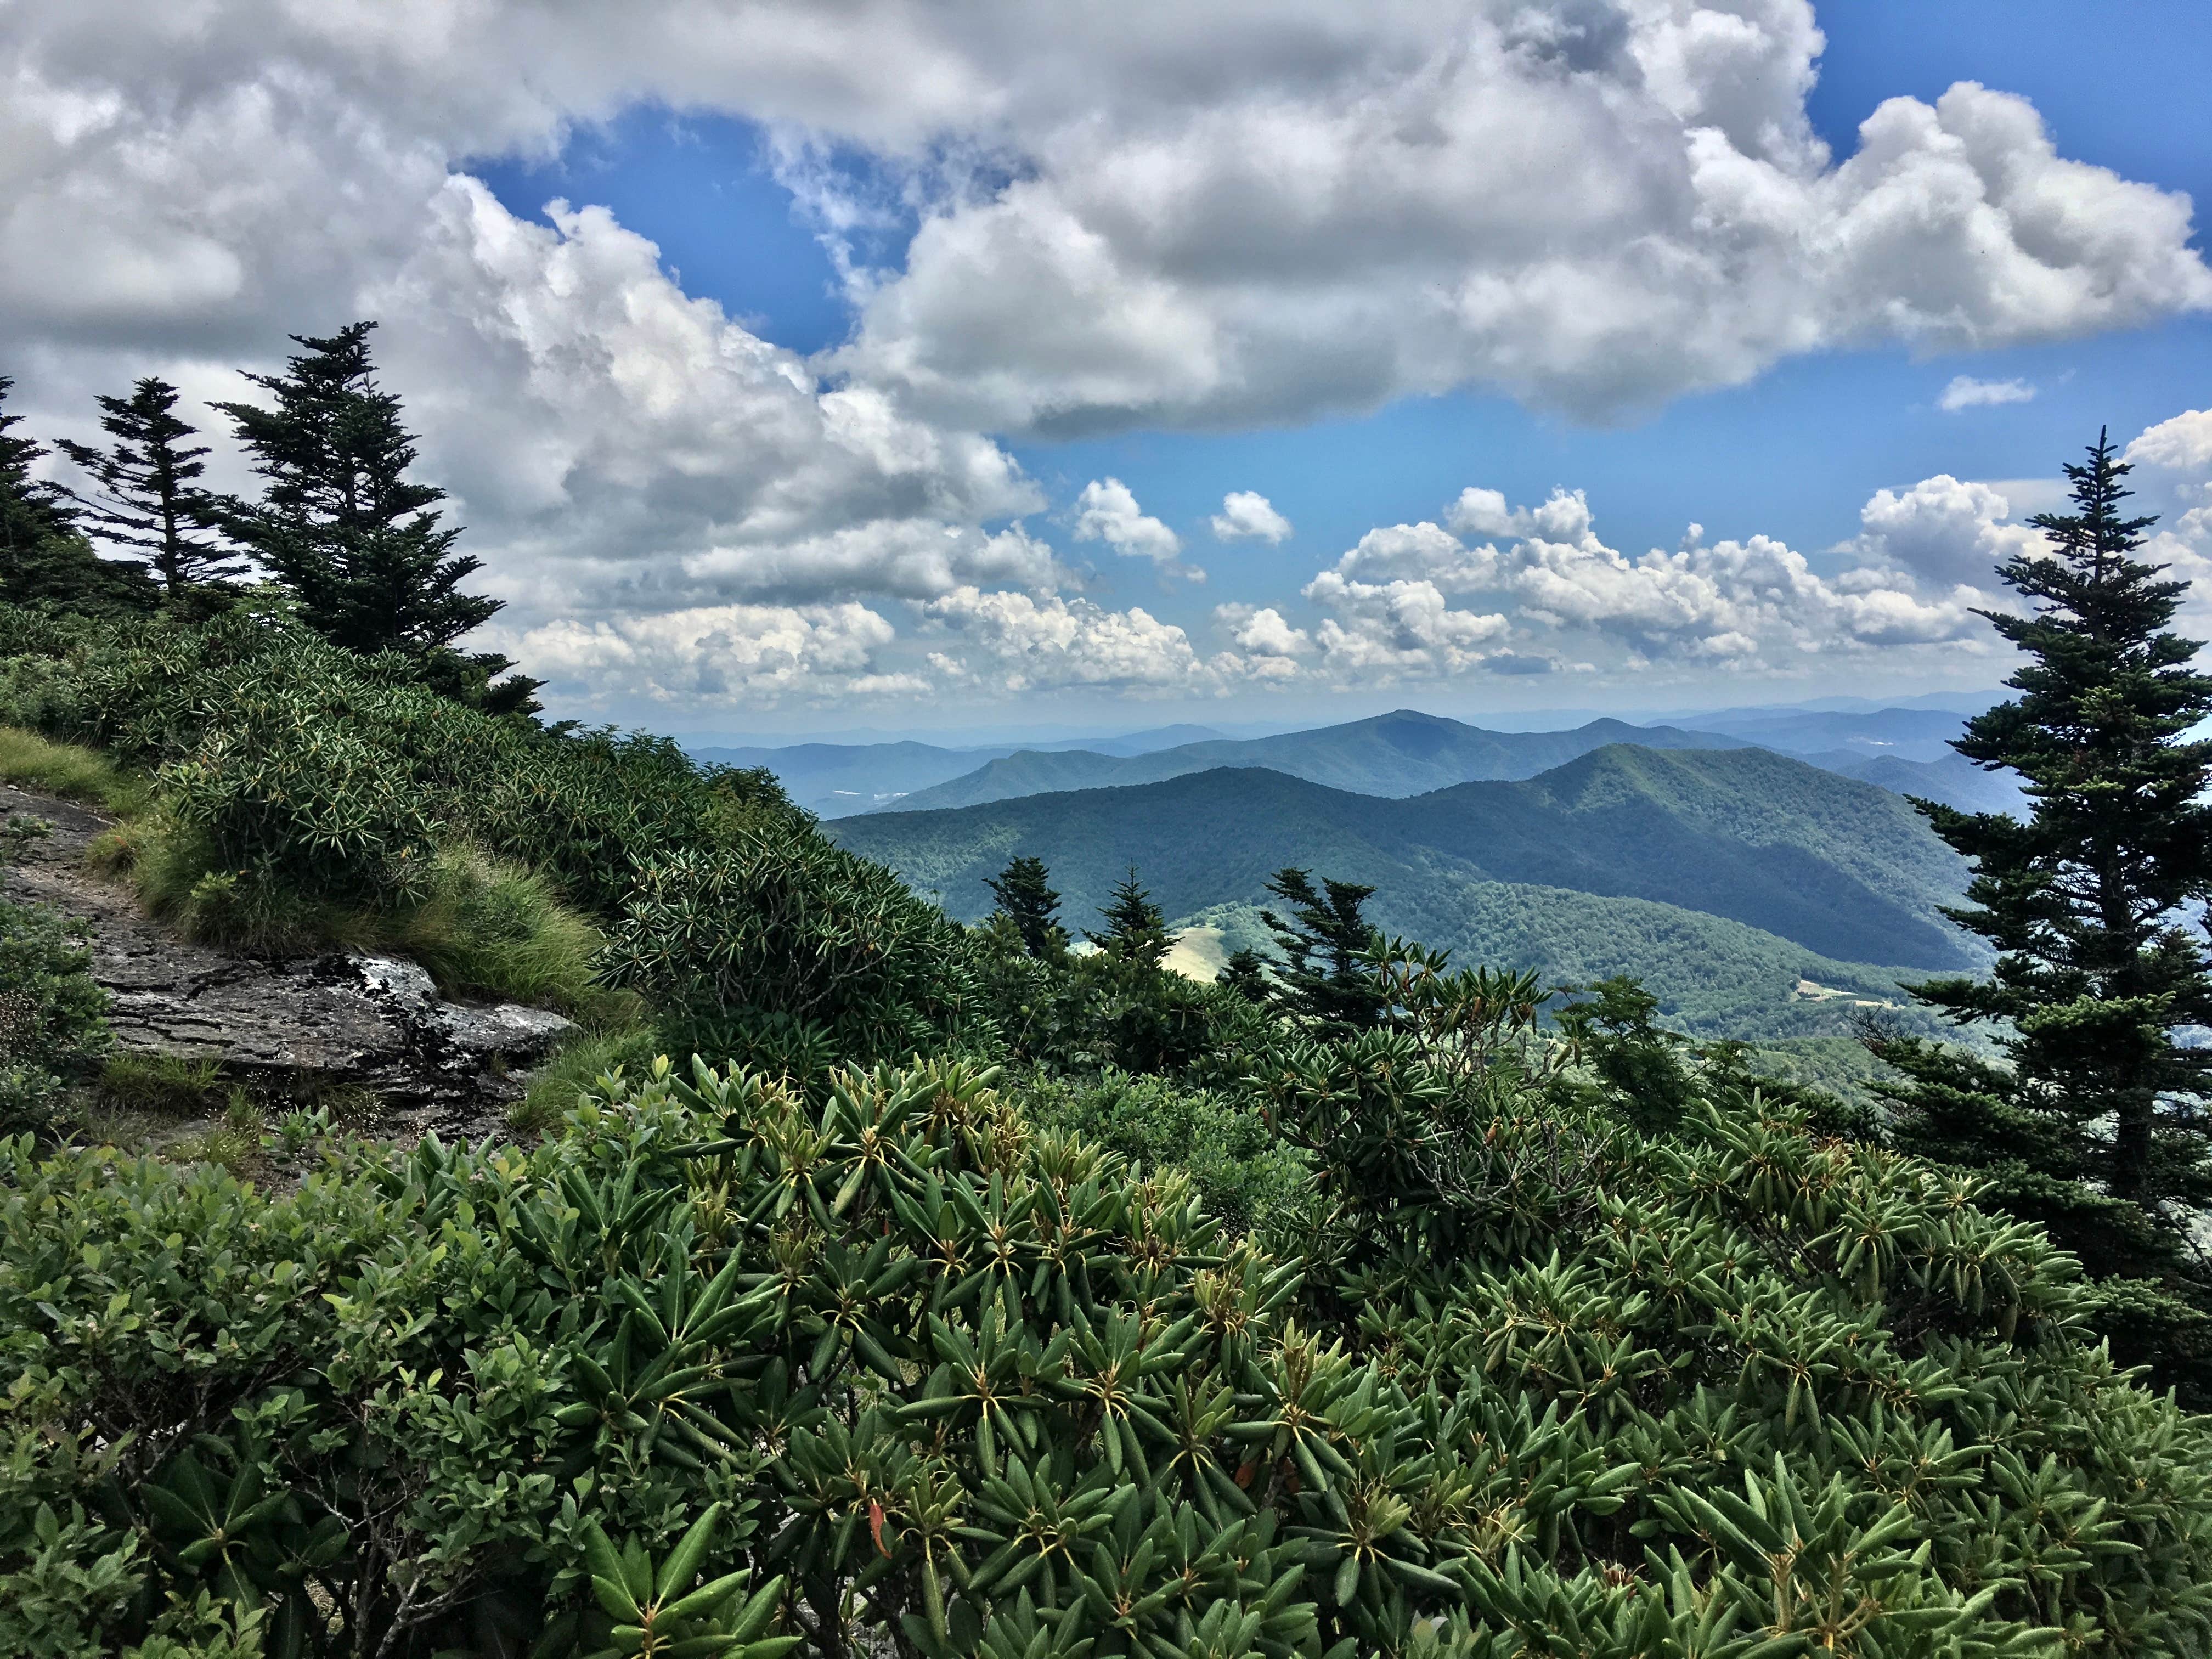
[1401, 753]
[1840, 869]
[1713, 977]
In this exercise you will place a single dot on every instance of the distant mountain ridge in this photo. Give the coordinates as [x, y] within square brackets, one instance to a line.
[832, 779]
[1841, 868]
[1399, 754]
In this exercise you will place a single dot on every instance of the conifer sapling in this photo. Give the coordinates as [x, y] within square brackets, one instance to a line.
[147, 495]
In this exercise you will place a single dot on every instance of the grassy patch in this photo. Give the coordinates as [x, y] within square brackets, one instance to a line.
[166, 1083]
[479, 926]
[577, 1067]
[235, 1140]
[63, 768]
[490, 929]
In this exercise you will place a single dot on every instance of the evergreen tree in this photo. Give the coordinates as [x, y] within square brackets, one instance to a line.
[1325, 942]
[148, 496]
[339, 520]
[44, 559]
[1246, 976]
[1026, 899]
[1640, 1067]
[2096, 1126]
[1136, 930]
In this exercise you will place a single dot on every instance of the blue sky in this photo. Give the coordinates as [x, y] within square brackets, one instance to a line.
[767, 430]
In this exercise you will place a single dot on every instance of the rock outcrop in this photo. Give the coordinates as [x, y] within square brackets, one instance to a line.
[297, 1026]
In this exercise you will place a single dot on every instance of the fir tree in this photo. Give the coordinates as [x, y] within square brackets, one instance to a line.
[1026, 899]
[1247, 976]
[1325, 941]
[44, 559]
[147, 494]
[2096, 1126]
[339, 520]
[1640, 1067]
[1136, 930]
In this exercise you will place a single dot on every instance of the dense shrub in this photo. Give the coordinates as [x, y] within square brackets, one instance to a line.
[52, 1020]
[779, 923]
[1245, 1173]
[276, 743]
[961, 1386]
[52, 1015]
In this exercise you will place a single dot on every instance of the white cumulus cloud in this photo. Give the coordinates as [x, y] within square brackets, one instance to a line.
[1020, 642]
[1946, 531]
[713, 655]
[2183, 444]
[1246, 515]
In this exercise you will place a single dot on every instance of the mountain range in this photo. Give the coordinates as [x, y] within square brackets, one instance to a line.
[1903, 750]
[1401, 753]
[832, 779]
[1722, 863]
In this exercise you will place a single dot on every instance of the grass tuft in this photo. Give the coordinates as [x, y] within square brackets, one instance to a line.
[481, 927]
[488, 928]
[562, 1081]
[235, 1140]
[168, 1084]
[63, 768]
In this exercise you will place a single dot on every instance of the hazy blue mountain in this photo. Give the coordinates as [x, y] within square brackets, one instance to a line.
[1914, 734]
[1398, 754]
[1134, 743]
[833, 780]
[1952, 780]
[1840, 868]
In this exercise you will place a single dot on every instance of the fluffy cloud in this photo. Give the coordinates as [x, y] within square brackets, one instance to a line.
[1743, 603]
[1949, 533]
[2183, 444]
[1965, 391]
[716, 655]
[2173, 479]
[1370, 207]
[1385, 631]
[1108, 512]
[1108, 229]
[611, 439]
[1246, 515]
[1020, 642]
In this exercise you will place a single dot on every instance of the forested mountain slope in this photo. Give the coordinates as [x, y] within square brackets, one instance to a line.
[1401, 753]
[1840, 868]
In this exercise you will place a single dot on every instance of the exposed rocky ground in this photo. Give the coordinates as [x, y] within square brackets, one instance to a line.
[304, 1027]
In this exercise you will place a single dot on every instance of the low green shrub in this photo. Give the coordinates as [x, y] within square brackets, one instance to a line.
[779, 923]
[591, 1062]
[948, 1383]
[1245, 1173]
[53, 1024]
